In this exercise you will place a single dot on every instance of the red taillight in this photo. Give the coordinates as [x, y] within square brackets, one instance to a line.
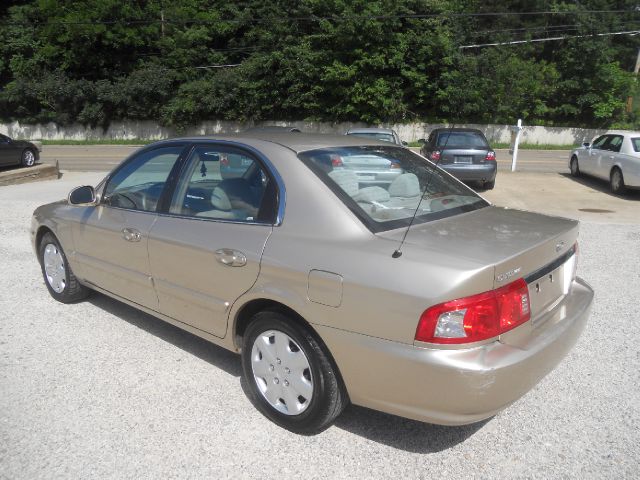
[395, 165]
[224, 161]
[336, 161]
[491, 156]
[477, 317]
[435, 156]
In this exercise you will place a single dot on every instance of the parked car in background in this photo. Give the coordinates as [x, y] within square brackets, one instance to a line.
[420, 299]
[614, 156]
[463, 152]
[384, 134]
[272, 129]
[18, 152]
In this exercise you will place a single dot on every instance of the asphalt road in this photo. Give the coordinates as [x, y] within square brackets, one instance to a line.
[100, 390]
[105, 157]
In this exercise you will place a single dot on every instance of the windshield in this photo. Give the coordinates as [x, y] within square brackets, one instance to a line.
[385, 137]
[462, 140]
[386, 197]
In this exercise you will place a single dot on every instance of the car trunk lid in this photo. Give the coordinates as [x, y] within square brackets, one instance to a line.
[469, 156]
[517, 244]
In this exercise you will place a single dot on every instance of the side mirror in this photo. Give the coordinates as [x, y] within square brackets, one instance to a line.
[422, 141]
[586, 144]
[82, 195]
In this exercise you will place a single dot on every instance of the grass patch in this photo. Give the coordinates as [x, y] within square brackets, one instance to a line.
[97, 142]
[535, 146]
[522, 146]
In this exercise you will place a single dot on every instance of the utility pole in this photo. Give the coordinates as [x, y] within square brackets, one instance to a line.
[635, 72]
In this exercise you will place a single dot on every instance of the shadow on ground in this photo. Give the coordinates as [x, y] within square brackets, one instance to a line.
[390, 430]
[602, 186]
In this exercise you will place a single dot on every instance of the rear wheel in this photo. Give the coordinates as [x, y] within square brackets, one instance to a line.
[290, 377]
[616, 181]
[28, 158]
[574, 167]
[58, 277]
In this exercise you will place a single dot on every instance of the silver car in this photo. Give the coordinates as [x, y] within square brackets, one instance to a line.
[614, 156]
[373, 169]
[419, 299]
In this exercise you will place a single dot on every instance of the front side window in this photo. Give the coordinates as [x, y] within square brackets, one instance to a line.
[225, 184]
[138, 184]
[600, 141]
[410, 183]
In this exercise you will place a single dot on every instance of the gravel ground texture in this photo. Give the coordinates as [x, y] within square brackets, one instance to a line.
[101, 390]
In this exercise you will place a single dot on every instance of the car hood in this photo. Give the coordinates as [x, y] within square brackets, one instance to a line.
[507, 239]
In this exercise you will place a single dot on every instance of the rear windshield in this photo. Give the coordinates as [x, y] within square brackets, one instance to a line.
[462, 140]
[385, 137]
[385, 186]
[636, 144]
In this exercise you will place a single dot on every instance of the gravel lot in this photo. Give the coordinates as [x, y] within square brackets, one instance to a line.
[100, 390]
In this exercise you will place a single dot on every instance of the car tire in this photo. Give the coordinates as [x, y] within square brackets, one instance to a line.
[489, 185]
[616, 181]
[574, 167]
[28, 158]
[58, 277]
[289, 375]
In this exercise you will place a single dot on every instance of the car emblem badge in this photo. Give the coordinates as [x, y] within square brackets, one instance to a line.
[559, 246]
[507, 275]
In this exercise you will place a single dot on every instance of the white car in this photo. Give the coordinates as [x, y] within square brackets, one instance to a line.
[614, 156]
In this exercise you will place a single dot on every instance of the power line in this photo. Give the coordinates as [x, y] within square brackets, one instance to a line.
[548, 39]
[315, 18]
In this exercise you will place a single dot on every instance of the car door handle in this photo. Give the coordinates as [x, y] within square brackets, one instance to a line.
[231, 258]
[131, 235]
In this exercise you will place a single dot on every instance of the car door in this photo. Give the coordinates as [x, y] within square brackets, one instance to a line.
[7, 153]
[111, 238]
[205, 250]
[589, 163]
[608, 155]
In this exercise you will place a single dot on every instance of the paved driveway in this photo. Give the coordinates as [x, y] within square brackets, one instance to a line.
[100, 390]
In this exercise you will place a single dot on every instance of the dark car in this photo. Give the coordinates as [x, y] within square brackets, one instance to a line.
[464, 153]
[18, 152]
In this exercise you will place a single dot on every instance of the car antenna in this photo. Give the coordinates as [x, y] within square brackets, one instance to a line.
[398, 251]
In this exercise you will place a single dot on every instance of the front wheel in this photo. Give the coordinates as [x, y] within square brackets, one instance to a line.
[58, 277]
[574, 167]
[616, 181]
[290, 377]
[28, 158]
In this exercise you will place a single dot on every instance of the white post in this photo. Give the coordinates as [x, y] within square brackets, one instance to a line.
[516, 141]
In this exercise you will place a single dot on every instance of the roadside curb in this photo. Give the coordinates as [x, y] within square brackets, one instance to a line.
[32, 174]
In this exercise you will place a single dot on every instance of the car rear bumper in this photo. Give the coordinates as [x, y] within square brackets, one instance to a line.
[456, 386]
[485, 172]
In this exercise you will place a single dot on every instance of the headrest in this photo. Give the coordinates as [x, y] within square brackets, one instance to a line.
[220, 200]
[405, 185]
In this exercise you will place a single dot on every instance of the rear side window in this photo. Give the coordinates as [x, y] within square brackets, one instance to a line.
[385, 186]
[635, 143]
[462, 140]
[223, 183]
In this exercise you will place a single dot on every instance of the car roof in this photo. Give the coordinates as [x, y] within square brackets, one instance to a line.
[446, 129]
[622, 132]
[298, 142]
[369, 130]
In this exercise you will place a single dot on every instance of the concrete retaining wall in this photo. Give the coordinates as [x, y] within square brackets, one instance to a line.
[129, 130]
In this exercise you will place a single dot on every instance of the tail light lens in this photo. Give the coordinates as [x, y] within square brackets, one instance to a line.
[491, 156]
[224, 161]
[395, 165]
[336, 161]
[435, 155]
[477, 317]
